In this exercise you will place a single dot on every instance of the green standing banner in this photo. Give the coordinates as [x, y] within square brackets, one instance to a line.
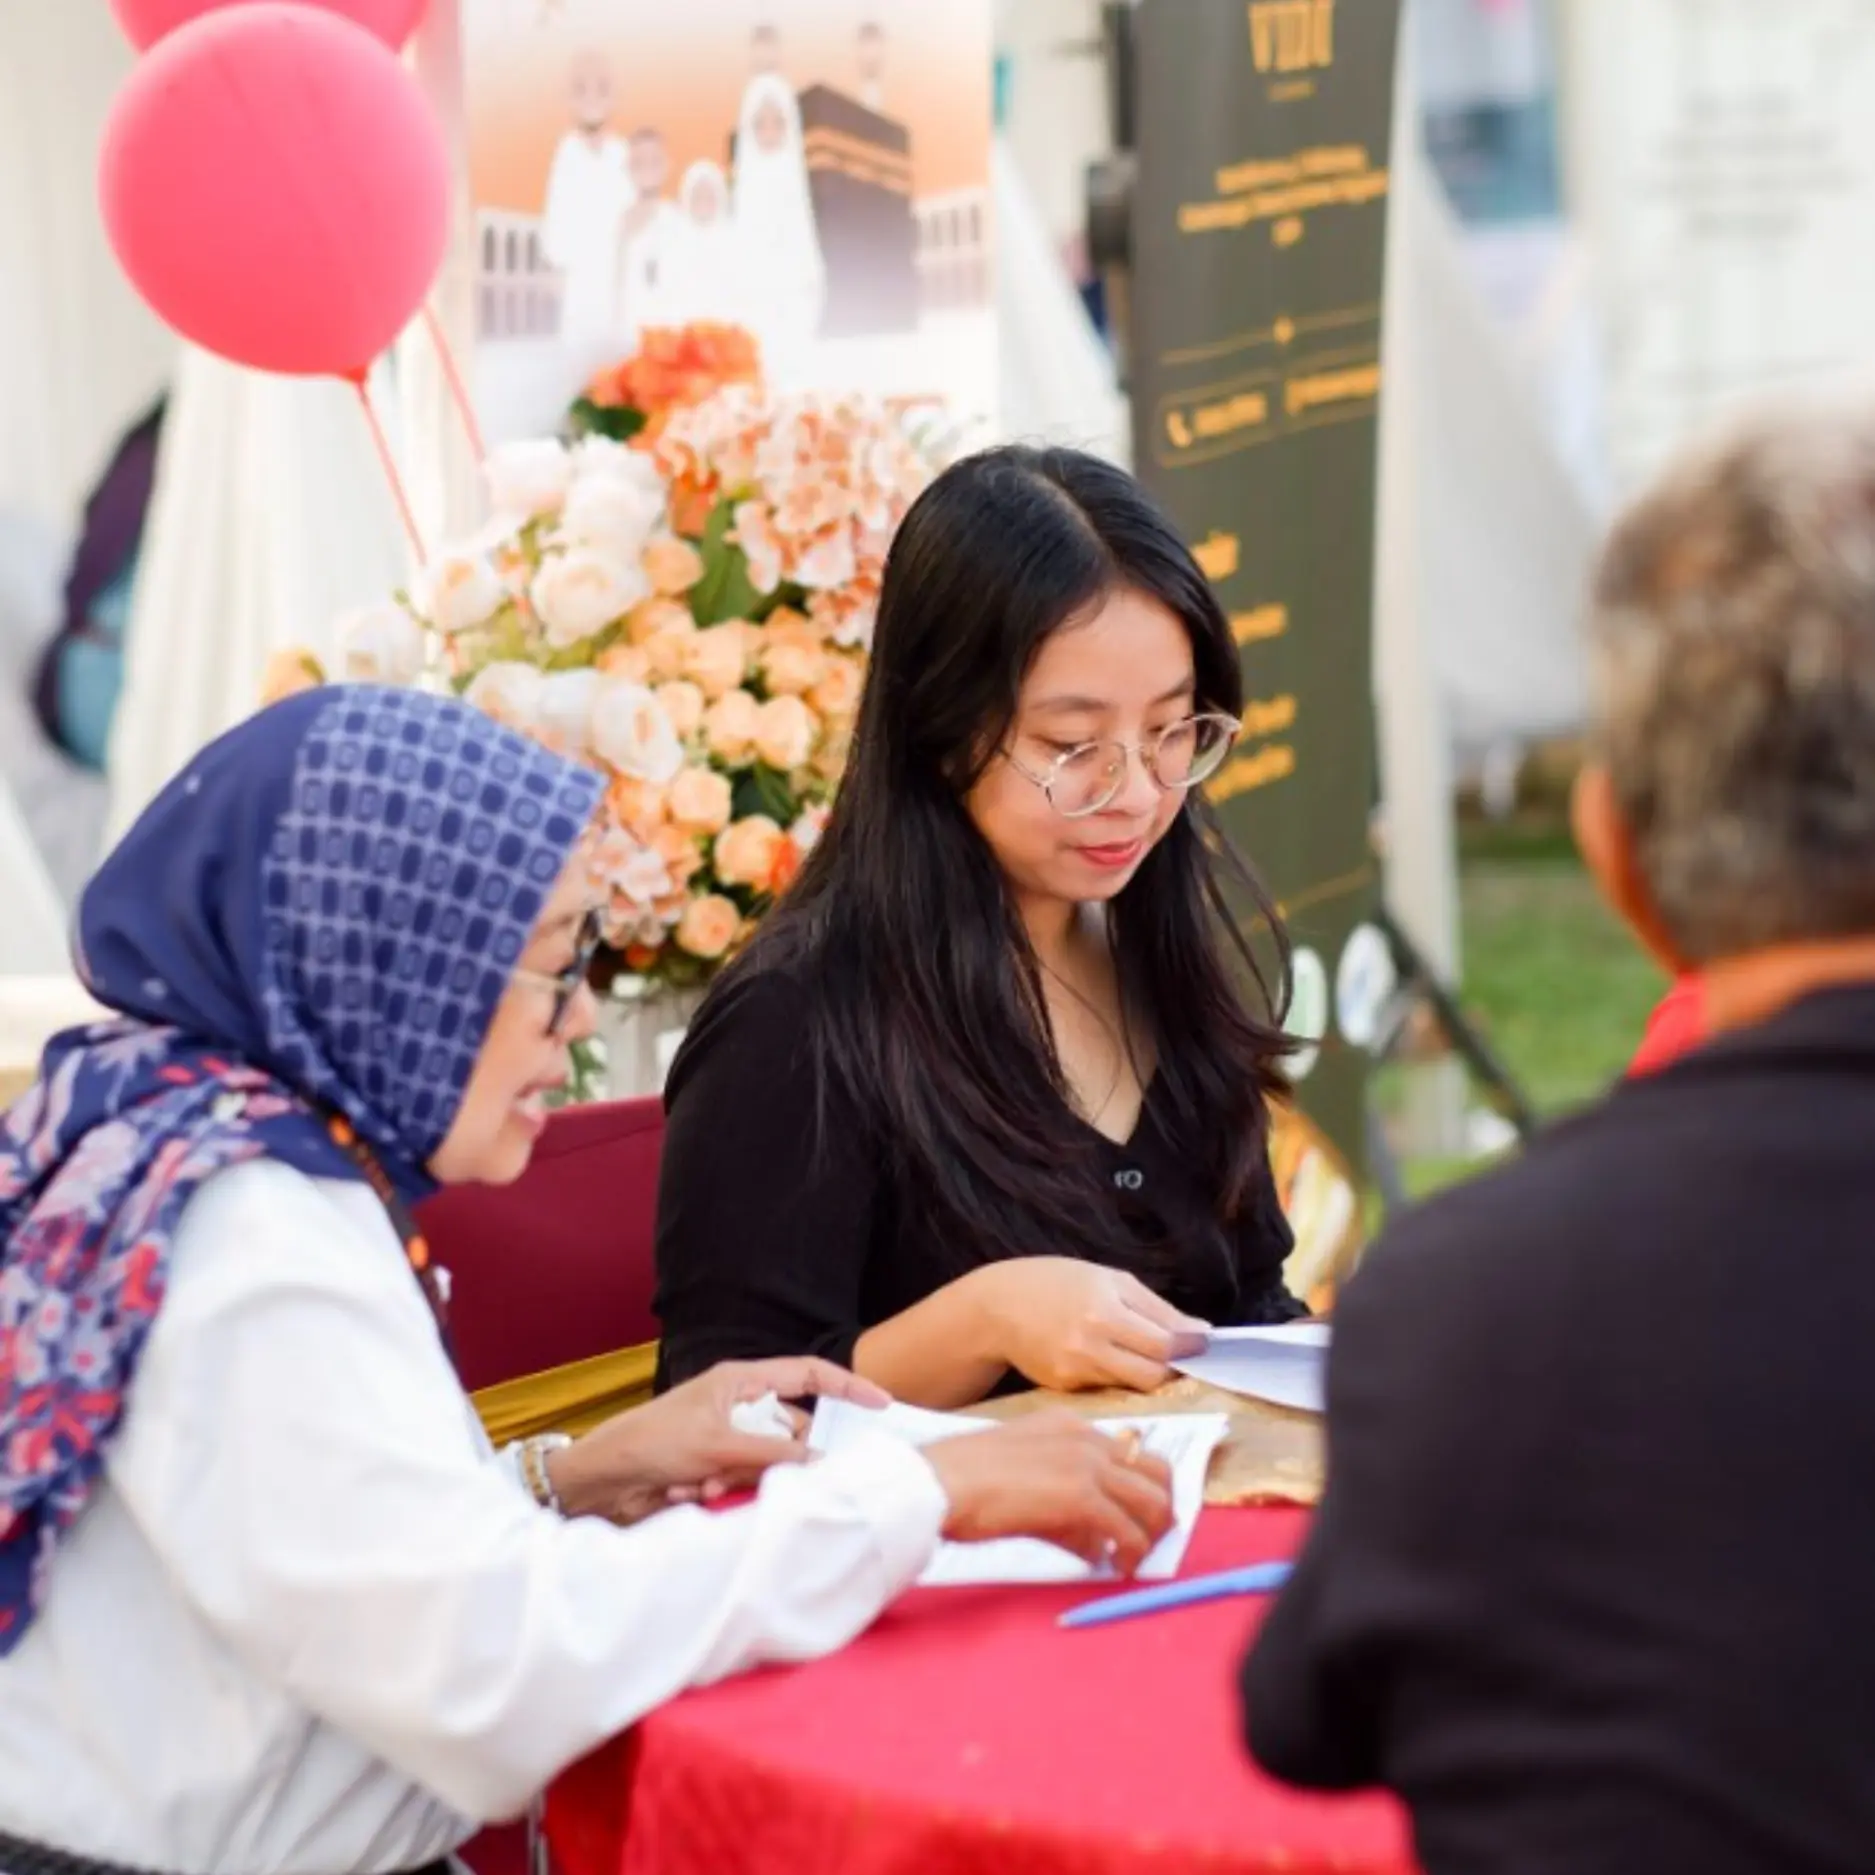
[1258, 263]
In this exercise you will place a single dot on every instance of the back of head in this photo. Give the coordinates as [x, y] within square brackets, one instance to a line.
[930, 1009]
[1734, 651]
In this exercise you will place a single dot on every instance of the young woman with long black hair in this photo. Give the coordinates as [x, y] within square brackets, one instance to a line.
[985, 1102]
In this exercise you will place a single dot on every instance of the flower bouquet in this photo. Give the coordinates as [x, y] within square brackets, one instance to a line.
[692, 618]
[674, 368]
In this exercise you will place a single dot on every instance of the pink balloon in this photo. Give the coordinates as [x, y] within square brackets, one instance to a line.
[146, 21]
[277, 188]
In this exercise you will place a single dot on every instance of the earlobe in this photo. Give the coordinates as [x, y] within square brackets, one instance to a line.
[1606, 844]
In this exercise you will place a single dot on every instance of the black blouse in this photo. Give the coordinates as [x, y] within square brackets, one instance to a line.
[778, 1237]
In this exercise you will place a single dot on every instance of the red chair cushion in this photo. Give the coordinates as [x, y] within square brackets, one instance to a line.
[556, 1267]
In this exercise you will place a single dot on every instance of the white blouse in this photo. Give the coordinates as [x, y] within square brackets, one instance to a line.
[311, 1624]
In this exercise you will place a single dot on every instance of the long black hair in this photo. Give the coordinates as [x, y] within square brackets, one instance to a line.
[928, 1013]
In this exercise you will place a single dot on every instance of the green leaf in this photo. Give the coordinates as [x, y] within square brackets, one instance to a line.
[617, 421]
[766, 604]
[725, 591]
[764, 790]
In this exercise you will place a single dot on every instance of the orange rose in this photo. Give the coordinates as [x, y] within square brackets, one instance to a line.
[837, 694]
[729, 727]
[750, 852]
[717, 658]
[667, 656]
[790, 669]
[683, 704]
[671, 565]
[625, 661]
[655, 616]
[708, 926]
[700, 801]
[785, 729]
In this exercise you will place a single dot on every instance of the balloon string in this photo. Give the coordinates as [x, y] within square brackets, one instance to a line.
[453, 377]
[391, 475]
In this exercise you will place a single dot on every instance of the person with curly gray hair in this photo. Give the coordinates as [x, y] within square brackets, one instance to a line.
[1588, 1585]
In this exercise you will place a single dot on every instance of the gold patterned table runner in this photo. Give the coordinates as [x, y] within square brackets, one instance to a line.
[1270, 1455]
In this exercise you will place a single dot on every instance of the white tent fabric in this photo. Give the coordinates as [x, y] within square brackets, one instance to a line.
[1056, 376]
[79, 354]
[271, 517]
[1504, 530]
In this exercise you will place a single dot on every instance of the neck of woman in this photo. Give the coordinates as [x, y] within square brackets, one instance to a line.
[1054, 928]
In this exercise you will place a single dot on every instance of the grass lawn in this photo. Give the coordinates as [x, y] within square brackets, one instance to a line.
[1556, 985]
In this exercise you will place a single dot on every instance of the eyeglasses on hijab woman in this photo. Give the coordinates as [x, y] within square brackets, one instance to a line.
[268, 1602]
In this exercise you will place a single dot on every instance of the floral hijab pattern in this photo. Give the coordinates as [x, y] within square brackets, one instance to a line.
[314, 922]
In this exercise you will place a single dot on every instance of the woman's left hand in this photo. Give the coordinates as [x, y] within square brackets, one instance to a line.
[684, 1446]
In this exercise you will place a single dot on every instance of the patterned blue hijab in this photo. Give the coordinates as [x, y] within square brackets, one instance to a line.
[316, 919]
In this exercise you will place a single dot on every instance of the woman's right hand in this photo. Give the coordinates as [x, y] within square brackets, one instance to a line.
[1059, 1477]
[1070, 1325]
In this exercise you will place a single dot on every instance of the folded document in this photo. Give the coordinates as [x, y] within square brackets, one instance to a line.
[1184, 1440]
[1283, 1365]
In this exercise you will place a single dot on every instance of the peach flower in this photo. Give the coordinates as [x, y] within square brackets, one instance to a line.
[837, 694]
[667, 656]
[700, 801]
[729, 727]
[656, 617]
[749, 853]
[637, 806]
[682, 857]
[683, 704]
[708, 926]
[790, 669]
[717, 657]
[627, 662]
[786, 626]
[671, 565]
[785, 729]
[287, 674]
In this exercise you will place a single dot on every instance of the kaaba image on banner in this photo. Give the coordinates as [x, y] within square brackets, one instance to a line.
[859, 166]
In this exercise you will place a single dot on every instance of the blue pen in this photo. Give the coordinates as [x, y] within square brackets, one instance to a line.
[1258, 1579]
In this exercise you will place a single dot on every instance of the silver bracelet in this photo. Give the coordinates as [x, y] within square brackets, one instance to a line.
[534, 1472]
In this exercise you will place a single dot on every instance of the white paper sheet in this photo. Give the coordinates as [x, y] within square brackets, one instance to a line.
[1283, 1365]
[1185, 1441]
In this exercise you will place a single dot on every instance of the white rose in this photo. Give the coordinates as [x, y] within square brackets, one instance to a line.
[599, 459]
[381, 644]
[459, 591]
[564, 719]
[616, 517]
[529, 478]
[510, 693]
[631, 733]
[579, 593]
[806, 831]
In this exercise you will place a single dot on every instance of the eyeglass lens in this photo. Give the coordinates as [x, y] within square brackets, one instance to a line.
[1188, 753]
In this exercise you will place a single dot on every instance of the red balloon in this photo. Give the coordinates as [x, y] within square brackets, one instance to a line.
[277, 188]
[146, 21]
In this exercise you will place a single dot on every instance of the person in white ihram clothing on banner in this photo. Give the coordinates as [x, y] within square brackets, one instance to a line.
[710, 279]
[587, 192]
[649, 235]
[773, 212]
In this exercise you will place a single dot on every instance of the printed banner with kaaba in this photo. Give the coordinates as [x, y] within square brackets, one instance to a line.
[815, 171]
[1259, 233]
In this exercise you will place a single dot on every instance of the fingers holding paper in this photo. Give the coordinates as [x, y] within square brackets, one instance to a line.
[1057, 1477]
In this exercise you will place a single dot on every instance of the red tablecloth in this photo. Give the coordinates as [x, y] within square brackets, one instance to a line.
[968, 1735]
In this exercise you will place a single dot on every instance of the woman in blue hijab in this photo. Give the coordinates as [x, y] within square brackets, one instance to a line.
[267, 1600]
